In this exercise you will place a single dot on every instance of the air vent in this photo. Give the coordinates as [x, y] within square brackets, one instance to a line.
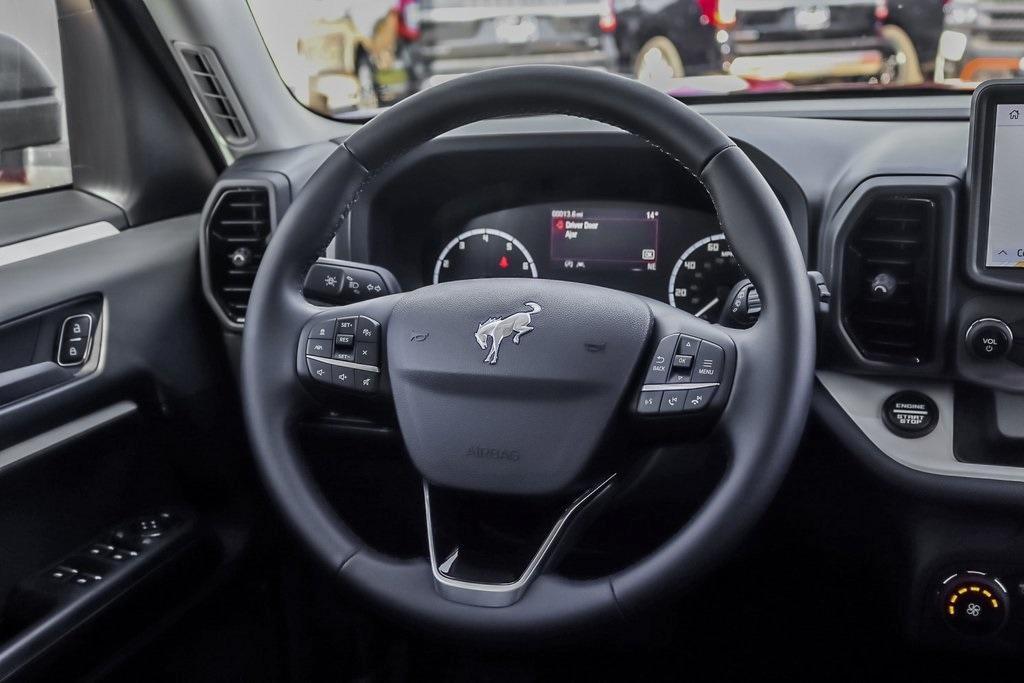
[237, 231]
[888, 267]
[212, 88]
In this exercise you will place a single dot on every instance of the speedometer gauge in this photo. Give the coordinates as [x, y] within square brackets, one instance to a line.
[703, 277]
[483, 252]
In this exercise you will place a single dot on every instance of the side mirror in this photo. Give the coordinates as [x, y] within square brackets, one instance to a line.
[30, 113]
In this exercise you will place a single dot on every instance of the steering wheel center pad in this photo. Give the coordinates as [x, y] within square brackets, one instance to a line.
[507, 385]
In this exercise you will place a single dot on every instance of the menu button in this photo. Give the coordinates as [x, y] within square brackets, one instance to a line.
[707, 366]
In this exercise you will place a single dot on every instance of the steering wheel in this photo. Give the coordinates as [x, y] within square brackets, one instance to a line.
[507, 388]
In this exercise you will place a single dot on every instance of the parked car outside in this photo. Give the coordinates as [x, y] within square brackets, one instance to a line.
[446, 38]
[913, 28]
[794, 40]
[981, 40]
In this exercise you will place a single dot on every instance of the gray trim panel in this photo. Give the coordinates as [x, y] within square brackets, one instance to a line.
[861, 398]
[29, 216]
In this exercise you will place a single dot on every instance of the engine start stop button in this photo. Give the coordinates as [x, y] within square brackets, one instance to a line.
[910, 414]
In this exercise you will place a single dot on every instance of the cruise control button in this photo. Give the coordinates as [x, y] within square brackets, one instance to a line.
[366, 353]
[673, 401]
[707, 366]
[688, 345]
[649, 402]
[323, 330]
[344, 339]
[657, 371]
[321, 348]
[319, 370]
[345, 326]
[697, 399]
[347, 355]
[366, 380]
[367, 329]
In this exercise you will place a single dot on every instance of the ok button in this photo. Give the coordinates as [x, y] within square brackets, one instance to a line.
[707, 366]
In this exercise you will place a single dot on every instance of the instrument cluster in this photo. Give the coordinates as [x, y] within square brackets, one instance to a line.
[670, 253]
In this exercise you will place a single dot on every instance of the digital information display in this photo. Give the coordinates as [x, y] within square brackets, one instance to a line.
[603, 238]
[1006, 198]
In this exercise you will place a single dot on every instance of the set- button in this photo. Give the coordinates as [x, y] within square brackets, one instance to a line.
[345, 353]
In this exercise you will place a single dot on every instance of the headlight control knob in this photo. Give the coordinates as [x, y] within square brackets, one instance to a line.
[974, 603]
[989, 338]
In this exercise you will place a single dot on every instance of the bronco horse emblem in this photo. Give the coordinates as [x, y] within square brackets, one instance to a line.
[496, 329]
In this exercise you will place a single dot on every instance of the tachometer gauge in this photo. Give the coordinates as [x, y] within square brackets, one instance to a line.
[703, 277]
[483, 252]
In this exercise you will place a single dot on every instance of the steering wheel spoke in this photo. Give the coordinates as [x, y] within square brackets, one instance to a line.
[467, 569]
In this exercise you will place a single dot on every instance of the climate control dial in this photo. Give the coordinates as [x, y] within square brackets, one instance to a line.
[974, 604]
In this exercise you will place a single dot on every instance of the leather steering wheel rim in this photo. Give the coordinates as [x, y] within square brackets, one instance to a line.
[763, 420]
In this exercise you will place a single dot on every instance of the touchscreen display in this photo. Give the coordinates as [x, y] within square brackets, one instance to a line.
[586, 238]
[1006, 199]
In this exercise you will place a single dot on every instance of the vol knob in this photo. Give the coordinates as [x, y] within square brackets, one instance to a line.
[989, 338]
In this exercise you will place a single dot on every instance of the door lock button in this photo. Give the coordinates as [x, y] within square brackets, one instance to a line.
[75, 340]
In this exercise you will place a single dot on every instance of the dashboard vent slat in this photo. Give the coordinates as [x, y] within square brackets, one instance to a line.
[237, 231]
[214, 93]
[894, 235]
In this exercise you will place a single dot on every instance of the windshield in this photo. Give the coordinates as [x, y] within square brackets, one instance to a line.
[343, 56]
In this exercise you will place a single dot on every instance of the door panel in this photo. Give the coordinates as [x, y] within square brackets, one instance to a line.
[149, 425]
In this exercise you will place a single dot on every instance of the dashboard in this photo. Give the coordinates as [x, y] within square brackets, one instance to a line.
[920, 361]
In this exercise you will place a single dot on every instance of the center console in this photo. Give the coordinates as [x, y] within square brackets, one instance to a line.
[926, 360]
